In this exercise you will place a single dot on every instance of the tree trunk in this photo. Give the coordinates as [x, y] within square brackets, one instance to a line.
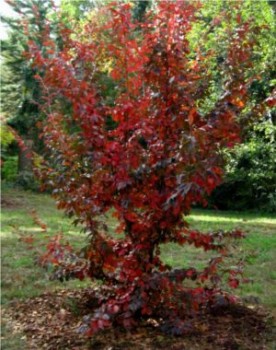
[25, 162]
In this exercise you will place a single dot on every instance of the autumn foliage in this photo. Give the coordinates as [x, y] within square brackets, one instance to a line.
[144, 156]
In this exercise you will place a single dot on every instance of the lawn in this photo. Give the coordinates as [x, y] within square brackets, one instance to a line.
[22, 279]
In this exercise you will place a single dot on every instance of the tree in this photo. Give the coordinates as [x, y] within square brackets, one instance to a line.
[140, 9]
[161, 156]
[249, 178]
[75, 11]
[21, 92]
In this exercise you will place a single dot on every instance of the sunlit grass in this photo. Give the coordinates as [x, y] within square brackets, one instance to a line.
[21, 278]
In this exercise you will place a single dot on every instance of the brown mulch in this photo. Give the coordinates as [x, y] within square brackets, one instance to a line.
[52, 321]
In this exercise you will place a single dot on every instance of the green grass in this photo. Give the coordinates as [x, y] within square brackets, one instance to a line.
[257, 250]
[22, 279]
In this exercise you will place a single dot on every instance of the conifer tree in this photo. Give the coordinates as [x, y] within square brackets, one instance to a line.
[21, 93]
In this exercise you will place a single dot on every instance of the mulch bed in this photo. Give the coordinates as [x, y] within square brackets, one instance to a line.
[52, 321]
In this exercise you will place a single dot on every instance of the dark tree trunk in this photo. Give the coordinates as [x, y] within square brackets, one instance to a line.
[25, 162]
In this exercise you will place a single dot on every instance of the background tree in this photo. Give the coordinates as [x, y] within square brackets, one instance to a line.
[140, 9]
[21, 93]
[239, 189]
[75, 11]
[8, 163]
[250, 180]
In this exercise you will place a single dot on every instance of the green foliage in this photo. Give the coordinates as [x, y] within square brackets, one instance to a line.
[75, 11]
[23, 179]
[140, 9]
[6, 136]
[9, 169]
[211, 33]
[250, 167]
[250, 181]
[26, 180]
[20, 90]
[9, 162]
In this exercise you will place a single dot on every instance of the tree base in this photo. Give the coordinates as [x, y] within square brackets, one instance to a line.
[52, 321]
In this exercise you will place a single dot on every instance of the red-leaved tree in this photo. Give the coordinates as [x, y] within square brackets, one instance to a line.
[145, 155]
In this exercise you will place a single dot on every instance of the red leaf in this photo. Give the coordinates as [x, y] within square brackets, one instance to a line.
[233, 282]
